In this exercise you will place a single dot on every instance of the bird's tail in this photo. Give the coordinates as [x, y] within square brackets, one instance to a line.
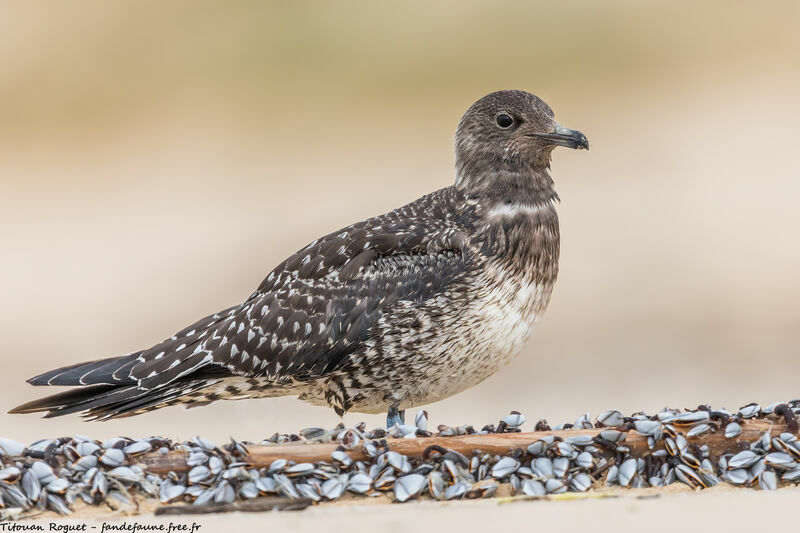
[106, 390]
[109, 371]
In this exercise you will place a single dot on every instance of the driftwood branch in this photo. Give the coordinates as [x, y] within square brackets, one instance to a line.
[495, 443]
[249, 506]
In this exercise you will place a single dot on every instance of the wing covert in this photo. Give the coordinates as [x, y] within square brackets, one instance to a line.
[318, 306]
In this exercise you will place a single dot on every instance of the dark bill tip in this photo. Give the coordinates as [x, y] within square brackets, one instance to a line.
[562, 136]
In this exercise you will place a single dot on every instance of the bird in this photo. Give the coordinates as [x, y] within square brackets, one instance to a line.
[399, 310]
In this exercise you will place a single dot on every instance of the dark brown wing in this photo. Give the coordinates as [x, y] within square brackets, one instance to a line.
[319, 305]
[310, 312]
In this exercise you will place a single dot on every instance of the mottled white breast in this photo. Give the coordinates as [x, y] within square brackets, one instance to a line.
[488, 333]
[508, 314]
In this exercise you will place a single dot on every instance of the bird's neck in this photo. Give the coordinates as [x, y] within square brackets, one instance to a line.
[476, 164]
[513, 185]
[517, 223]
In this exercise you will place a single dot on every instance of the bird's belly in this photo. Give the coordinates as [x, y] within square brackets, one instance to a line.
[453, 350]
[493, 332]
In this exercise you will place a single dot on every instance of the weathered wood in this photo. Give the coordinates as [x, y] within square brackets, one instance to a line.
[495, 443]
[250, 506]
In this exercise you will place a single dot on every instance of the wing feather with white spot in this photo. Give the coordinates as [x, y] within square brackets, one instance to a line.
[319, 305]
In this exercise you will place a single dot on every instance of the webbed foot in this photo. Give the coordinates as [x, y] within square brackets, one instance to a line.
[394, 417]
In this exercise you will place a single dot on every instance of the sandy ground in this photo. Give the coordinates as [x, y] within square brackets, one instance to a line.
[722, 508]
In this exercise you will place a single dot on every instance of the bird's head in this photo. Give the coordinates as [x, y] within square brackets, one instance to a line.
[509, 131]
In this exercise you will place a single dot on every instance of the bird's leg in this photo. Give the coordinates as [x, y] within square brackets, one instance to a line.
[394, 417]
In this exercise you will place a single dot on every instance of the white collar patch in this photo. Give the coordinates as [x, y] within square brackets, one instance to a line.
[518, 209]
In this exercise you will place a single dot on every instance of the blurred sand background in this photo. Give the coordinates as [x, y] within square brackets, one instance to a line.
[157, 159]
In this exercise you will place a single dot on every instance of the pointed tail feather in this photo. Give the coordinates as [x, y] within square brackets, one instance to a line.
[62, 399]
[109, 371]
[106, 389]
[102, 402]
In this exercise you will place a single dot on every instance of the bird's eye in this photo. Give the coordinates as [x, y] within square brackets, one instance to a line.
[504, 120]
